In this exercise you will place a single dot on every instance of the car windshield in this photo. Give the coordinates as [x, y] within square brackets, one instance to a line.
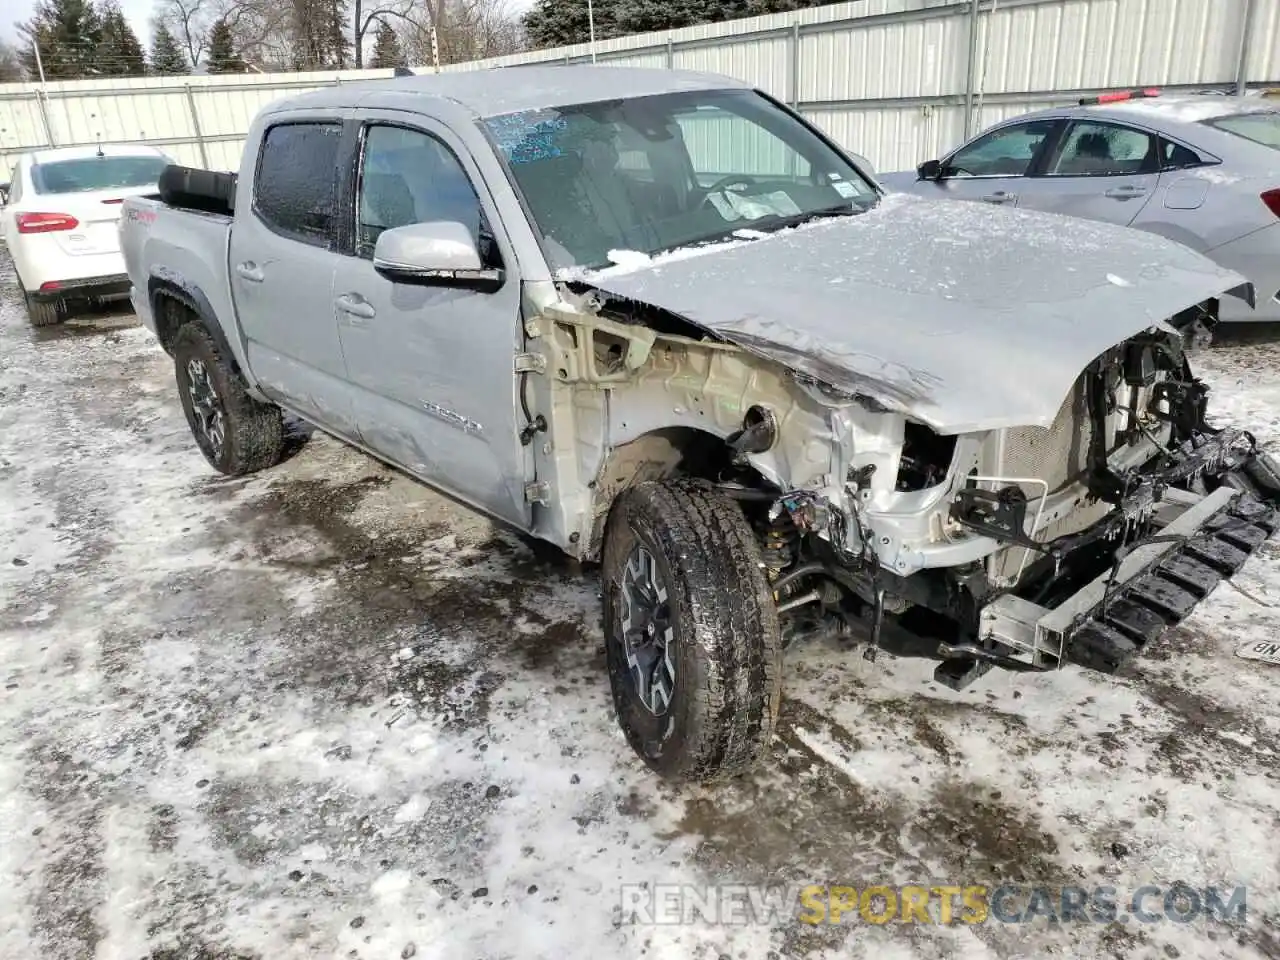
[1263, 128]
[96, 173]
[650, 174]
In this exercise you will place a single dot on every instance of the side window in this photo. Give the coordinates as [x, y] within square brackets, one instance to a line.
[1006, 152]
[1105, 150]
[295, 189]
[1174, 156]
[15, 184]
[407, 176]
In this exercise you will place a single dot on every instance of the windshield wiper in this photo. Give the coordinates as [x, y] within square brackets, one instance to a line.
[765, 225]
[775, 221]
[772, 222]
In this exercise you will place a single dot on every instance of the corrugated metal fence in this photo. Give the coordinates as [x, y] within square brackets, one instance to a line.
[894, 80]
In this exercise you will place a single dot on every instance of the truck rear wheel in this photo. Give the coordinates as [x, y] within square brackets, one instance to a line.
[236, 433]
[691, 631]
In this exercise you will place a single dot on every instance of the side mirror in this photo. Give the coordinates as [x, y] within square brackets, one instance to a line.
[930, 170]
[4, 193]
[441, 253]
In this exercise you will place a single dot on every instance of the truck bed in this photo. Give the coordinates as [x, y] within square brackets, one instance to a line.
[180, 249]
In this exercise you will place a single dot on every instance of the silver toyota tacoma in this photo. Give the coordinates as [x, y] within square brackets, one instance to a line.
[663, 322]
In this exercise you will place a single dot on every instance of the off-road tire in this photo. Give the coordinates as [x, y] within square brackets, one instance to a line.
[45, 313]
[728, 647]
[254, 431]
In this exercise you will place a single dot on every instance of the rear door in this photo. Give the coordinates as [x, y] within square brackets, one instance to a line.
[282, 258]
[433, 368]
[992, 168]
[1100, 170]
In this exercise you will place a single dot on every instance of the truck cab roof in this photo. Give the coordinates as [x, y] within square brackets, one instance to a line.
[501, 90]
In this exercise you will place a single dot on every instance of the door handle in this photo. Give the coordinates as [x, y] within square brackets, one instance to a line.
[250, 271]
[355, 305]
[1124, 193]
[999, 197]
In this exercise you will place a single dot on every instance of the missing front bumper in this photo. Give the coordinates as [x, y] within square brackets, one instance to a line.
[1154, 587]
[1133, 613]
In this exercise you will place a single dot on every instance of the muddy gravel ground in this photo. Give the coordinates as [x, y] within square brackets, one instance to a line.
[324, 712]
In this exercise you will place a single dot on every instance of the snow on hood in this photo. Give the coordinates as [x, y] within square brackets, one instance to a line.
[964, 316]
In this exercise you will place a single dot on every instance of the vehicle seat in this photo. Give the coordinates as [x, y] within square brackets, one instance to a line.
[578, 207]
[606, 191]
[1092, 155]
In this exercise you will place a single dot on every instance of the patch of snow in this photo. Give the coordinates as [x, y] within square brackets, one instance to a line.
[629, 258]
[412, 809]
[1213, 175]
[1190, 109]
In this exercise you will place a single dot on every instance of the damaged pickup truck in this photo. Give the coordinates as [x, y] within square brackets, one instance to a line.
[661, 321]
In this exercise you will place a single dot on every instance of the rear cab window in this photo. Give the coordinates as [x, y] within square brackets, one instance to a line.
[295, 186]
[1262, 128]
[86, 174]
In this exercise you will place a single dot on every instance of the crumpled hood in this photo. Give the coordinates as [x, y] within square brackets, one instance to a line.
[964, 316]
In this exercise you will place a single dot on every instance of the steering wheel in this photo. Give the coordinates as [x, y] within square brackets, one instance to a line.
[722, 183]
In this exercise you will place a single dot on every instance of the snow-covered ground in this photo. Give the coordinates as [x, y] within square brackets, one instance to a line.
[326, 713]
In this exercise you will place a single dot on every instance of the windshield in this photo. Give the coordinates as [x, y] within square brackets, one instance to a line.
[650, 174]
[96, 173]
[1263, 128]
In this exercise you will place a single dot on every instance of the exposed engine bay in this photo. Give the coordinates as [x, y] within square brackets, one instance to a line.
[978, 548]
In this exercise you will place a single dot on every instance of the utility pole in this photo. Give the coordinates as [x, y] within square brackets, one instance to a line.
[35, 46]
[591, 25]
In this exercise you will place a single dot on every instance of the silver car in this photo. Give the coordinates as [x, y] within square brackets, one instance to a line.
[1200, 169]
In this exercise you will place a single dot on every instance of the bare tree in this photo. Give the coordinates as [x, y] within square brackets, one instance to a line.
[262, 33]
[453, 31]
[401, 15]
[260, 29]
[190, 22]
[11, 70]
[476, 29]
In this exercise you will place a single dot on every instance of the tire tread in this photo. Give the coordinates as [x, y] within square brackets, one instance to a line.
[255, 430]
[728, 611]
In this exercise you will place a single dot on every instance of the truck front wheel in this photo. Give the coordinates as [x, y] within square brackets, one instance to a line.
[691, 631]
[236, 433]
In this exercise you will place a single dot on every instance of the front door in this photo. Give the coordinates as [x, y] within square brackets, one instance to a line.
[432, 368]
[992, 168]
[282, 258]
[1101, 171]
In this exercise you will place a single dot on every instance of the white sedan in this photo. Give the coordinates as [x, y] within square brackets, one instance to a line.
[60, 220]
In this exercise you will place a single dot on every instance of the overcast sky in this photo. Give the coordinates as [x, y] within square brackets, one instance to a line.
[137, 11]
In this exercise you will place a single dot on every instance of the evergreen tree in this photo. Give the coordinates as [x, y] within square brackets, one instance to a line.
[319, 35]
[643, 16]
[221, 57]
[386, 48]
[118, 52]
[556, 23]
[167, 58]
[67, 32]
